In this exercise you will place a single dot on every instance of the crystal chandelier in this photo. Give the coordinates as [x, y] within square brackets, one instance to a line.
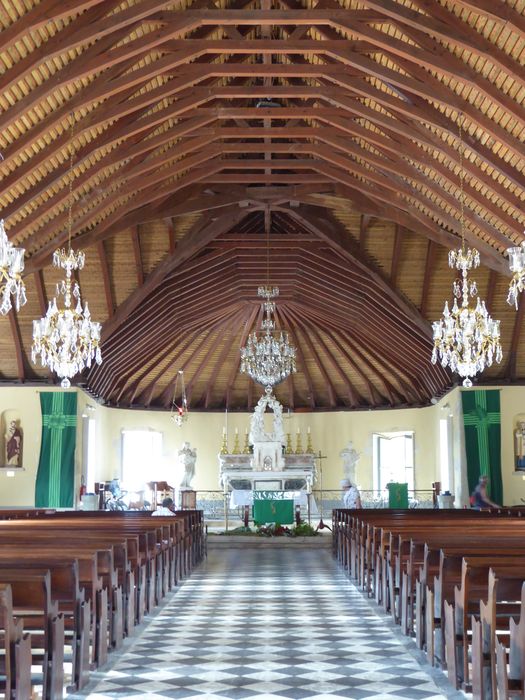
[11, 268]
[466, 338]
[270, 358]
[179, 412]
[517, 267]
[67, 340]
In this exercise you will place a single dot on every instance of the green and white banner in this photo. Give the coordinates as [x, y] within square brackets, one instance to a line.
[56, 467]
[482, 422]
[272, 507]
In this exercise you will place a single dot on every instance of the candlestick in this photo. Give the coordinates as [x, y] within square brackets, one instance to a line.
[298, 446]
[289, 448]
[309, 446]
[236, 446]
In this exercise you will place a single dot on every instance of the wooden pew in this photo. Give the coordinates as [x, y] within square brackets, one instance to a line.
[466, 603]
[89, 579]
[70, 598]
[510, 667]
[405, 555]
[32, 603]
[15, 645]
[503, 601]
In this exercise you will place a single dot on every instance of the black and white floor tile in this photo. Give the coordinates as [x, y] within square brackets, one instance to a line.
[269, 624]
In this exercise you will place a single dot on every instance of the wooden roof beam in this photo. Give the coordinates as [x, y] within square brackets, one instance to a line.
[300, 356]
[332, 394]
[219, 364]
[104, 268]
[190, 245]
[429, 267]
[137, 253]
[17, 341]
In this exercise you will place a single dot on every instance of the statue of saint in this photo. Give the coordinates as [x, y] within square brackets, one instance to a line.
[186, 458]
[519, 446]
[13, 445]
[350, 458]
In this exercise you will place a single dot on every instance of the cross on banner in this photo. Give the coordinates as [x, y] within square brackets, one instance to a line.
[54, 486]
[481, 419]
[482, 425]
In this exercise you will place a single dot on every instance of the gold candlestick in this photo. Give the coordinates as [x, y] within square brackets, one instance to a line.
[289, 449]
[236, 446]
[224, 446]
[246, 449]
[309, 446]
[299, 446]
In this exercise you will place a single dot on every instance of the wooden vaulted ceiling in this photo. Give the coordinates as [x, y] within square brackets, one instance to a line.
[201, 130]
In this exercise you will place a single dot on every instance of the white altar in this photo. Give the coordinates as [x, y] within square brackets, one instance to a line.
[267, 467]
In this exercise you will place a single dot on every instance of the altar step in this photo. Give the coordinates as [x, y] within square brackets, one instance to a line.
[321, 541]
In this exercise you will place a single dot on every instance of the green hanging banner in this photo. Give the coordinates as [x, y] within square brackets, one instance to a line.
[482, 423]
[56, 467]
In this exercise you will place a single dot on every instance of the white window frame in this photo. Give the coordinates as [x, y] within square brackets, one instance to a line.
[144, 459]
[381, 478]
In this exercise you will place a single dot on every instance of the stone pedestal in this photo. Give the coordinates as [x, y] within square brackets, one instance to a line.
[188, 499]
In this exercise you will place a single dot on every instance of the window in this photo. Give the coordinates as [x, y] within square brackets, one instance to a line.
[393, 459]
[141, 457]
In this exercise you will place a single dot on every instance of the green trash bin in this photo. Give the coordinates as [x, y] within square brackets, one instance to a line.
[397, 495]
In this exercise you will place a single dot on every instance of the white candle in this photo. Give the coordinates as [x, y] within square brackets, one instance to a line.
[236, 431]
[224, 431]
[308, 430]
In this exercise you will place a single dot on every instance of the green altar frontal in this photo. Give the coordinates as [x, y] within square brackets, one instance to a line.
[397, 495]
[272, 507]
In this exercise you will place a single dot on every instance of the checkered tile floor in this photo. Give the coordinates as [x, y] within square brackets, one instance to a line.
[268, 624]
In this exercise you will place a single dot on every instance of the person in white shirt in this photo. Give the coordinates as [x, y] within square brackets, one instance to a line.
[351, 495]
[166, 508]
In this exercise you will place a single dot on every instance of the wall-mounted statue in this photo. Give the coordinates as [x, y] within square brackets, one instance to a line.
[186, 458]
[350, 458]
[13, 445]
[519, 445]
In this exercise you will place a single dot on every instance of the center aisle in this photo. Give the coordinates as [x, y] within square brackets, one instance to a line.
[268, 623]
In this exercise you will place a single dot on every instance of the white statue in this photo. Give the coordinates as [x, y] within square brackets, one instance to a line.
[267, 447]
[350, 458]
[186, 457]
[257, 432]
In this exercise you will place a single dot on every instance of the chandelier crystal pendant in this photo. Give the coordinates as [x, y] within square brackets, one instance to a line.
[517, 267]
[269, 358]
[11, 268]
[466, 338]
[67, 340]
[179, 412]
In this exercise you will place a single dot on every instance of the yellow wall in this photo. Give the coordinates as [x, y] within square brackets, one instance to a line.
[330, 434]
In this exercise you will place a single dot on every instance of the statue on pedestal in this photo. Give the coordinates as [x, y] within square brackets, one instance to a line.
[186, 458]
[350, 458]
